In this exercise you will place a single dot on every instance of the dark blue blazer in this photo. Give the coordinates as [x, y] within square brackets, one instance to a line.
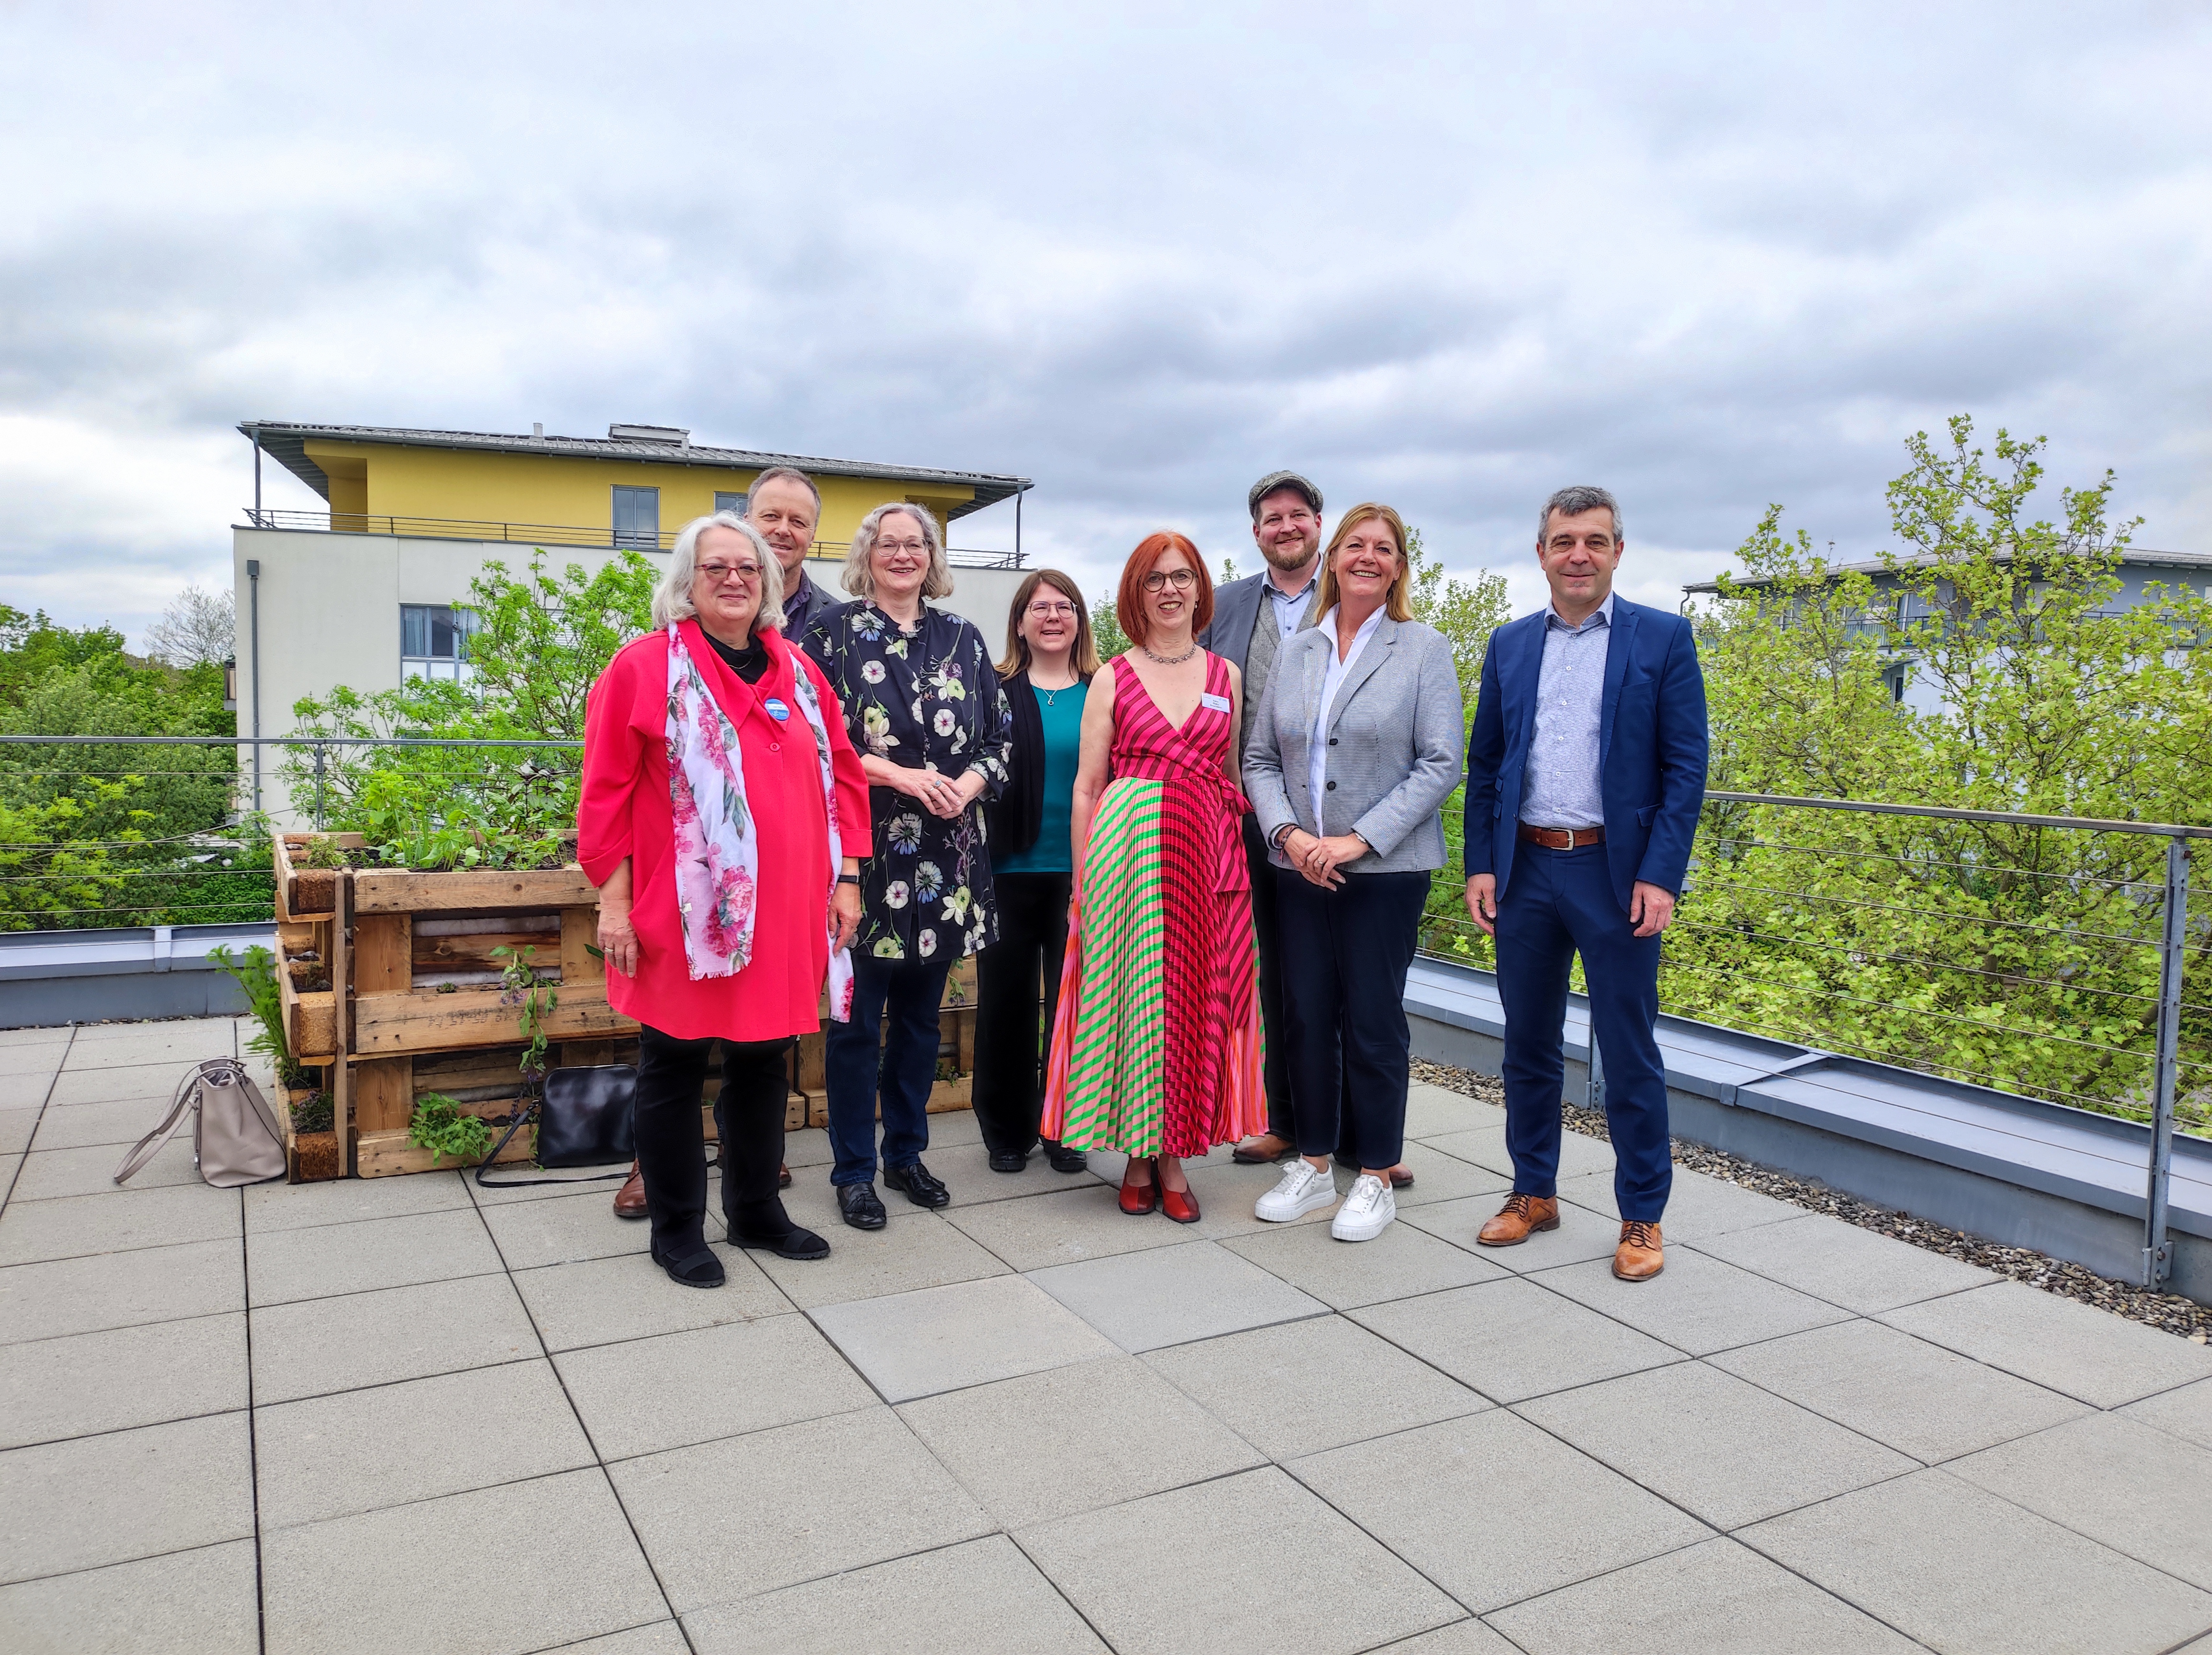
[1651, 746]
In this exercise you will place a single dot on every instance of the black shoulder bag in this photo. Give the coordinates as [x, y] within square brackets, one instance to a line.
[583, 1120]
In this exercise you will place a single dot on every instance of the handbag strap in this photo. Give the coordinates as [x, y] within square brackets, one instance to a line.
[513, 1126]
[186, 1099]
[237, 1077]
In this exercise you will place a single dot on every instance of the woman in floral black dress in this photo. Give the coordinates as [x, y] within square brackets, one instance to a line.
[924, 708]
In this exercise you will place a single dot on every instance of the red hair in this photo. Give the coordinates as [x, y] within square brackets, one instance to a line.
[1129, 602]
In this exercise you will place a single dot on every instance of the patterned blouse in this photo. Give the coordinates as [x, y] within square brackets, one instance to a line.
[927, 698]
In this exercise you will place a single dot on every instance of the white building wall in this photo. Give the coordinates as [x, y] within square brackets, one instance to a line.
[329, 615]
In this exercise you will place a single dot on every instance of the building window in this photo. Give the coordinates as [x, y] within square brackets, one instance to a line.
[728, 503]
[637, 519]
[433, 641]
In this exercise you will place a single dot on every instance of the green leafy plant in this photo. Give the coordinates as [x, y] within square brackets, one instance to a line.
[439, 1126]
[256, 973]
[314, 1114]
[534, 1003]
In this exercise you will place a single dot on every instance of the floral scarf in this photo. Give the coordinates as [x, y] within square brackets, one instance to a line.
[717, 859]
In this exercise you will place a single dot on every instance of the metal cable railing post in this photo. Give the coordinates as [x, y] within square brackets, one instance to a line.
[319, 787]
[2157, 1251]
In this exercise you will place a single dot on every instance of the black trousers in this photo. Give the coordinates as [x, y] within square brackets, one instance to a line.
[1282, 1120]
[671, 1151]
[1009, 1047]
[1346, 951]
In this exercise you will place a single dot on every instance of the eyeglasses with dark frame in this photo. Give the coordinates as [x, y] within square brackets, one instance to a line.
[716, 573]
[1182, 579]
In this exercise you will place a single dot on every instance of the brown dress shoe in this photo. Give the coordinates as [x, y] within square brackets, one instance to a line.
[1520, 1216]
[1638, 1258]
[1262, 1150]
[630, 1200]
[782, 1178]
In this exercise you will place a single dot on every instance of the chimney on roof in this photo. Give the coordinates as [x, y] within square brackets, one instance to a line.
[537, 429]
[667, 434]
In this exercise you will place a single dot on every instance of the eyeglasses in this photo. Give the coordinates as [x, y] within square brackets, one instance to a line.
[911, 548]
[1047, 611]
[716, 573]
[1182, 579]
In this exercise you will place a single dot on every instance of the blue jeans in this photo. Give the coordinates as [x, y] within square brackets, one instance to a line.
[1558, 904]
[901, 1071]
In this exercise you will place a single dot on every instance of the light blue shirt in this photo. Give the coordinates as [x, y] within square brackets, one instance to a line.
[1317, 763]
[1288, 608]
[1560, 789]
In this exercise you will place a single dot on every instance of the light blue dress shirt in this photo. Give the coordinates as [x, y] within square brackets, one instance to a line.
[1289, 607]
[1561, 786]
[1317, 763]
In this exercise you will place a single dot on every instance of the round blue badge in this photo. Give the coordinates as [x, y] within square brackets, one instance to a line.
[776, 710]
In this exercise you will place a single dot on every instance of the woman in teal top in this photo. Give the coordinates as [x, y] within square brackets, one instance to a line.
[1049, 660]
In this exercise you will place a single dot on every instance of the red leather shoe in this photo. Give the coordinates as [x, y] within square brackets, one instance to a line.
[1180, 1205]
[1139, 1199]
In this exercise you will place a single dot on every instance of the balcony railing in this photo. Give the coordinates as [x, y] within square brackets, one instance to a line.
[547, 534]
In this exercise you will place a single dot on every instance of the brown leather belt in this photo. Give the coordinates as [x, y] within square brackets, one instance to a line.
[1562, 838]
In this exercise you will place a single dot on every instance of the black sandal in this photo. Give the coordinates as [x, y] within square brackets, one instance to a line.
[696, 1266]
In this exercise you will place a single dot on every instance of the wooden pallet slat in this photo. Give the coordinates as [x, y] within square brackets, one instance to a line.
[426, 1020]
[399, 892]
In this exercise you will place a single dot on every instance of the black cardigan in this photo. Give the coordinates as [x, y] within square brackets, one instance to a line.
[1011, 821]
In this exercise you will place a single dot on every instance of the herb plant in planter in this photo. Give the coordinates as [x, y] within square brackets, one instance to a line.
[316, 1154]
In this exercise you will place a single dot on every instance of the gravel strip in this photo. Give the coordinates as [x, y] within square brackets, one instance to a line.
[2168, 1311]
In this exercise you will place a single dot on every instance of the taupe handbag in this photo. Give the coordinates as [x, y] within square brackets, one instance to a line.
[235, 1137]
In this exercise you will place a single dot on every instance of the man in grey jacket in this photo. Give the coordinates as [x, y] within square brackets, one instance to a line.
[1252, 617]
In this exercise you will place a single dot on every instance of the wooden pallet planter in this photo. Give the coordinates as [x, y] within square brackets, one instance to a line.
[307, 894]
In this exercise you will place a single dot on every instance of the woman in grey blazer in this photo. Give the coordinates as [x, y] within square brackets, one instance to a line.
[1353, 751]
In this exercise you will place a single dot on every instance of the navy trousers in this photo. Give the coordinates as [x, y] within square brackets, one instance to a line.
[1345, 952]
[1556, 905]
[904, 994]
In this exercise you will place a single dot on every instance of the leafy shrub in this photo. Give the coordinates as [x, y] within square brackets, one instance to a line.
[439, 1126]
[256, 973]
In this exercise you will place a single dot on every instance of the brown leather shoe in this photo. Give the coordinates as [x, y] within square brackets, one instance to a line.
[630, 1200]
[1638, 1258]
[1262, 1150]
[782, 1178]
[1520, 1216]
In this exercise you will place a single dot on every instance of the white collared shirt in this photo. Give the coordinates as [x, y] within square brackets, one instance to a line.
[1317, 758]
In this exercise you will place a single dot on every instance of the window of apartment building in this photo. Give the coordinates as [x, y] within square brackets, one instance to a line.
[728, 503]
[637, 519]
[433, 641]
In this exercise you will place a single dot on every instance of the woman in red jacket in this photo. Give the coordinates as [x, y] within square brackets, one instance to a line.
[721, 813]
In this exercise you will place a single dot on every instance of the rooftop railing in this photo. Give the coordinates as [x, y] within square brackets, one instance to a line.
[548, 534]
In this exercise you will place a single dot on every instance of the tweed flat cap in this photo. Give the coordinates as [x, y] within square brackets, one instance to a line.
[1275, 480]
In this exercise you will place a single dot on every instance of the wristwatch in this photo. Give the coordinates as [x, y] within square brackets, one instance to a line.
[848, 879]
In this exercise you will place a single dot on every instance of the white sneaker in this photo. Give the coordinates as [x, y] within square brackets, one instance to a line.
[1367, 1211]
[1304, 1189]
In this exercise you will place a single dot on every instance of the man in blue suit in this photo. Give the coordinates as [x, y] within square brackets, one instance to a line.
[1585, 774]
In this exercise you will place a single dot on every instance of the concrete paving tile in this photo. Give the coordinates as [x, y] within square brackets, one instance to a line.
[50, 1173]
[1082, 1221]
[1468, 1637]
[661, 1638]
[1424, 1493]
[317, 1346]
[1579, 1156]
[1511, 1340]
[811, 1201]
[202, 1602]
[1717, 1597]
[17, 1126]
[1438, 1178]
[1857, 1269]
[530, 1234]
[155, 1284]
[119, 1124]
[52, 1034]
[325, 1259]
[2187, 1412]
[1113, 1564]
[1717, 1447]
[729, 1520]
[147, 1084]
[273, 1207]
[2126, 1484]
[93, 1500]
[986, 1589]
[2075, 1349]
[146, 1046]
[83, 1225]
[335, 1456]
[1299, 1387]
[388, 1580]
[1401, 1262]
[1961, 1570]
[9, 1166]
[966, 1170]
[1226, 1193]
[644, 1396]
[1920, 1398]
[809, 1147]
[1581, 1234]
[556, 1186]
[600, 1300]
[917, 1344]
[113, 1380]
[1698, 1304]
[23, 1092]
[1145, 1301]
[1007, 1441]
[154, 1029]
[898, 1258]
[1697, 1206]
[1433, 1110]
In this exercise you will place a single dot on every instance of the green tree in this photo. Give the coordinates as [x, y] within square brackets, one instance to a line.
[1106, 627]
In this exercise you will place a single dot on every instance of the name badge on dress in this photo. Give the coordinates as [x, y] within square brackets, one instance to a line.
[1219, 703]
[776, 710]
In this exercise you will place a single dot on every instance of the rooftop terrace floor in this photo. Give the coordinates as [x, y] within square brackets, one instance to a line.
[410, 1415]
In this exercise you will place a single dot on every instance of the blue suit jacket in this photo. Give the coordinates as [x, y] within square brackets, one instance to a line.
[1651, 746]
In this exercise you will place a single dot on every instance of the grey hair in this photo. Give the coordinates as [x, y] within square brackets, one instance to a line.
[790, 473]
[1573, 501]
[671, 598]
[860, 570]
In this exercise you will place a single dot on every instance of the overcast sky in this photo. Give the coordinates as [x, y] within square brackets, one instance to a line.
[1451, 256]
